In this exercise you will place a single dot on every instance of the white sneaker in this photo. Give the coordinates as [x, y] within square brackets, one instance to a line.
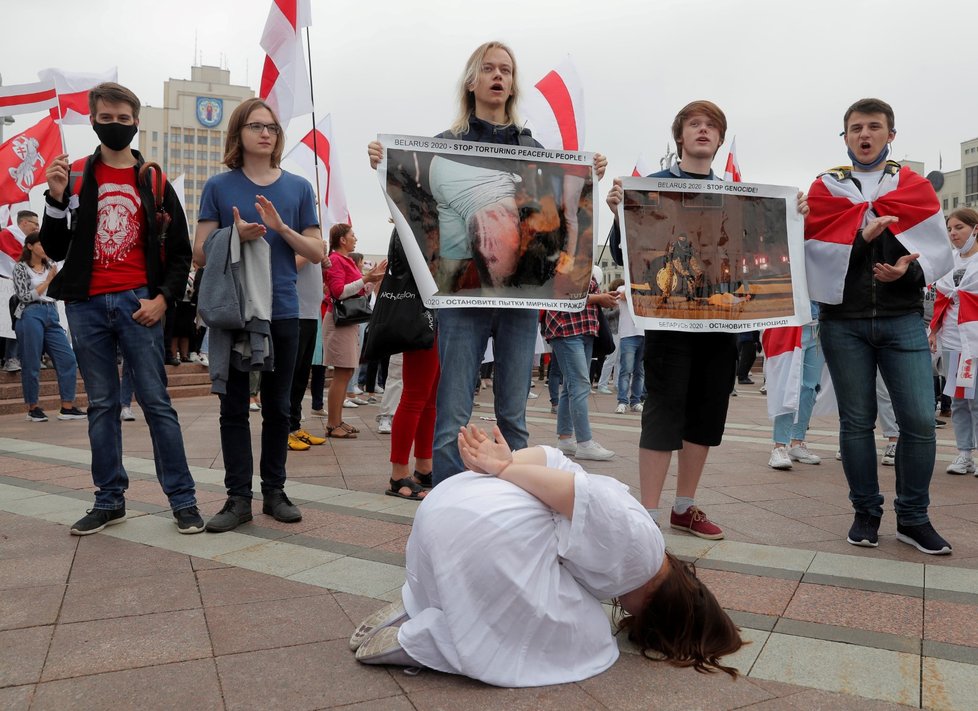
[962, 464]
[593, 451]
[621, 409]
[801, 453]
[838, 454]
[385, 426]
[126, 415]
[779, 459]
[356, 390]
[12, 365]
[567, 446]
[637, 407]
[604, 390]
[194, 358]
[202, 359]
[319, 413]
[359, 400]
[349, 403]
[532, 396]
[763, 389]
[379, 390]
[889, 455]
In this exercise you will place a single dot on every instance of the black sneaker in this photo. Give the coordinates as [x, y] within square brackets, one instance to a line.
[71, 413]
[277, 505]
[188, 520]
[237, 510]
[924, 538]
[97, 519]
[864, 531]
[939, 423]
[36, 414]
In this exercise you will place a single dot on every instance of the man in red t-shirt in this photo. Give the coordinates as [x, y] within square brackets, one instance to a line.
[124, 262]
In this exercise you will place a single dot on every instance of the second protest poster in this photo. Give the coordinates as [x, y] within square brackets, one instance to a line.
[713, 256]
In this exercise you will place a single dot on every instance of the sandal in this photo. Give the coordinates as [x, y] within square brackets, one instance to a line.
[344, 433]
[406, 483]
[424, 479]
[349, 428]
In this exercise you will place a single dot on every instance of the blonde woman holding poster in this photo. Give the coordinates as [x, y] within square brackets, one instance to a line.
[487, 97]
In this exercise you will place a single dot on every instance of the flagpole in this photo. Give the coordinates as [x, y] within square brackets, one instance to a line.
[315, 146]
[61, 127]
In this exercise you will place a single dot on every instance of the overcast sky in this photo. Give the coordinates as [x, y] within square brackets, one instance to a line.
[784, 71]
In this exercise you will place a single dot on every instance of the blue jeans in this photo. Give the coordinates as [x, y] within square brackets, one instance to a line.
[100, 327]
[794, 425]
[276, 404]
[574, 354]
[39, 331]
[554, 379]
[463, 334]
[854, 348]
[631, 371]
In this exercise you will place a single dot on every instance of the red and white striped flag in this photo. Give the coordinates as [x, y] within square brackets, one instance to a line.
[284, 78]
[643, 167]
[8, 213]
[27, 98]
[838, 209]
[555, 108]
[23, 159]
[731, 173]
[332, 199]
[11, 247]
[783, 361]
[72, 89]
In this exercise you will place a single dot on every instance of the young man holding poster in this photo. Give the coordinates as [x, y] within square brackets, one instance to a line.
[688, 376]
[874, 239]
[488, 93]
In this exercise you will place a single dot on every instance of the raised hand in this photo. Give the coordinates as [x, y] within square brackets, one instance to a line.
[247, 231]
[482, 454]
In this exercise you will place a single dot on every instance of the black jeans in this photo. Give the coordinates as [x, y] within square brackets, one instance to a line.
[235, 430]
[303, 362]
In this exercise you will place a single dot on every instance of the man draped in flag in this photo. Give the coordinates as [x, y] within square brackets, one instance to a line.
[954, 328]
[875, 237]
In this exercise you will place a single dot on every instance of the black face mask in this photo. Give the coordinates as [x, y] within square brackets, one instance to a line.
[115, 135]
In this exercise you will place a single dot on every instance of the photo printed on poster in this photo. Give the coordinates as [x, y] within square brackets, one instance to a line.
[713, 256]
[492, 225]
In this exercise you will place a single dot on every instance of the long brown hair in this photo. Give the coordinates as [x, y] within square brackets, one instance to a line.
[682, 623]
[967, 215]
[233, 150]
[26, 254]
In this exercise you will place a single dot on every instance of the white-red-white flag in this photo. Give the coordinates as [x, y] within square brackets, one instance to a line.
[332, 199]
[72, 89]
[24, 157]
[8, 213]
[783, 360]
[644, 167]
[284, 78]
[11, 247]
[554, 109]
[838, 209]
[27, 98]
[731, 172]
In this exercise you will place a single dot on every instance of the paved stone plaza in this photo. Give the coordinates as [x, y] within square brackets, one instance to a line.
[139, 616]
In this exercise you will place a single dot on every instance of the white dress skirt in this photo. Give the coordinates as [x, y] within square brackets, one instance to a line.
[502, 589]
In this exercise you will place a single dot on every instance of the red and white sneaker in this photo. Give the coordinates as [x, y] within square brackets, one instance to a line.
[695, 521]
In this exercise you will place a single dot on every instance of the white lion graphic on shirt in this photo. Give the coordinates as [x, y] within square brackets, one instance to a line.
[118, 222]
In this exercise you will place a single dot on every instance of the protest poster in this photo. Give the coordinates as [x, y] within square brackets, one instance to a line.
[712, 256]
[490, 225]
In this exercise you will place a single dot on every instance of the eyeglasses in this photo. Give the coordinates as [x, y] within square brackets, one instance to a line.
[257, 127]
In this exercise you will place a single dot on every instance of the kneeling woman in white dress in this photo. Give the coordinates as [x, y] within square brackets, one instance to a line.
[508, 563]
